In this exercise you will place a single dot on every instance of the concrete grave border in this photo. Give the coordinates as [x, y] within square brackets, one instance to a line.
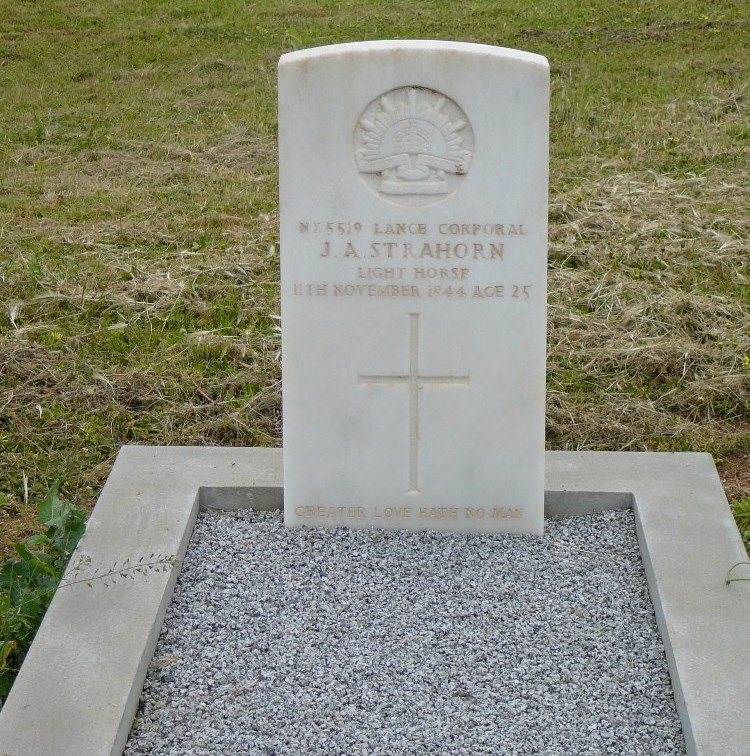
[78, 690]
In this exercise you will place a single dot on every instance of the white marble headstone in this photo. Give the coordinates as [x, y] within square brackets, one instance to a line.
[413, 191]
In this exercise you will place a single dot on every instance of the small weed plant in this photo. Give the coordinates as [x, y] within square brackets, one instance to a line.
[741, 512]
[29, 580]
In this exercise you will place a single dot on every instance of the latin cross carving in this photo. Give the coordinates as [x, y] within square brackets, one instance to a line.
[414, 381]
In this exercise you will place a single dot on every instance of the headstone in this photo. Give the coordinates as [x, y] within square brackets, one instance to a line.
[413, 195]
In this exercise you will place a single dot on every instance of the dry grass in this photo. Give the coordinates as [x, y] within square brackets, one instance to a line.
[649, 283]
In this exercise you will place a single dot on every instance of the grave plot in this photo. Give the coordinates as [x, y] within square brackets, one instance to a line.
[79, 688]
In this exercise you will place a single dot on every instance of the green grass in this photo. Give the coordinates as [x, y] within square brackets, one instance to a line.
[741, 510]
[138, 222]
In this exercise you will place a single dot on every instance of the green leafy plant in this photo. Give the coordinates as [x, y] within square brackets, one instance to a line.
[741, 512]
[29, 580]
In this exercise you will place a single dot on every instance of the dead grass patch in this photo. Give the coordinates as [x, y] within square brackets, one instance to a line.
[734, 472]
[649, 318]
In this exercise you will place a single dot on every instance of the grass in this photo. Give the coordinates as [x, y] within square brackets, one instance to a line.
[138, 224]
[741, 510]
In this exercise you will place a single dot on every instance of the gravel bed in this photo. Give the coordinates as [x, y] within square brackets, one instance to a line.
[389, 642]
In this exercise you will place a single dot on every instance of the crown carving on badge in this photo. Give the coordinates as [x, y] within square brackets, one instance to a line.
[411, 143]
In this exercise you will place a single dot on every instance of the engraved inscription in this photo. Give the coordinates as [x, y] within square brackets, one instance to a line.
[417, 260]
[413, 145]
[414, 381]
[406, 512]
[352, 513]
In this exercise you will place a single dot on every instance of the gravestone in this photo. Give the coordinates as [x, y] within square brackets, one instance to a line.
[413, 198]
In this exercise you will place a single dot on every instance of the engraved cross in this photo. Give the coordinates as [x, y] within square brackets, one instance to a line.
[414, 381]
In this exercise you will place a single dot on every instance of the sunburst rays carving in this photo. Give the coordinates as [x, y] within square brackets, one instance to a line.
[414, 140]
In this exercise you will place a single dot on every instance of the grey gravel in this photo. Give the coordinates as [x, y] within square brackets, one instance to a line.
[389, 642]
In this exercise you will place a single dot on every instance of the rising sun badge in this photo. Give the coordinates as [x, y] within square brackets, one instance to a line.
[413, 145]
